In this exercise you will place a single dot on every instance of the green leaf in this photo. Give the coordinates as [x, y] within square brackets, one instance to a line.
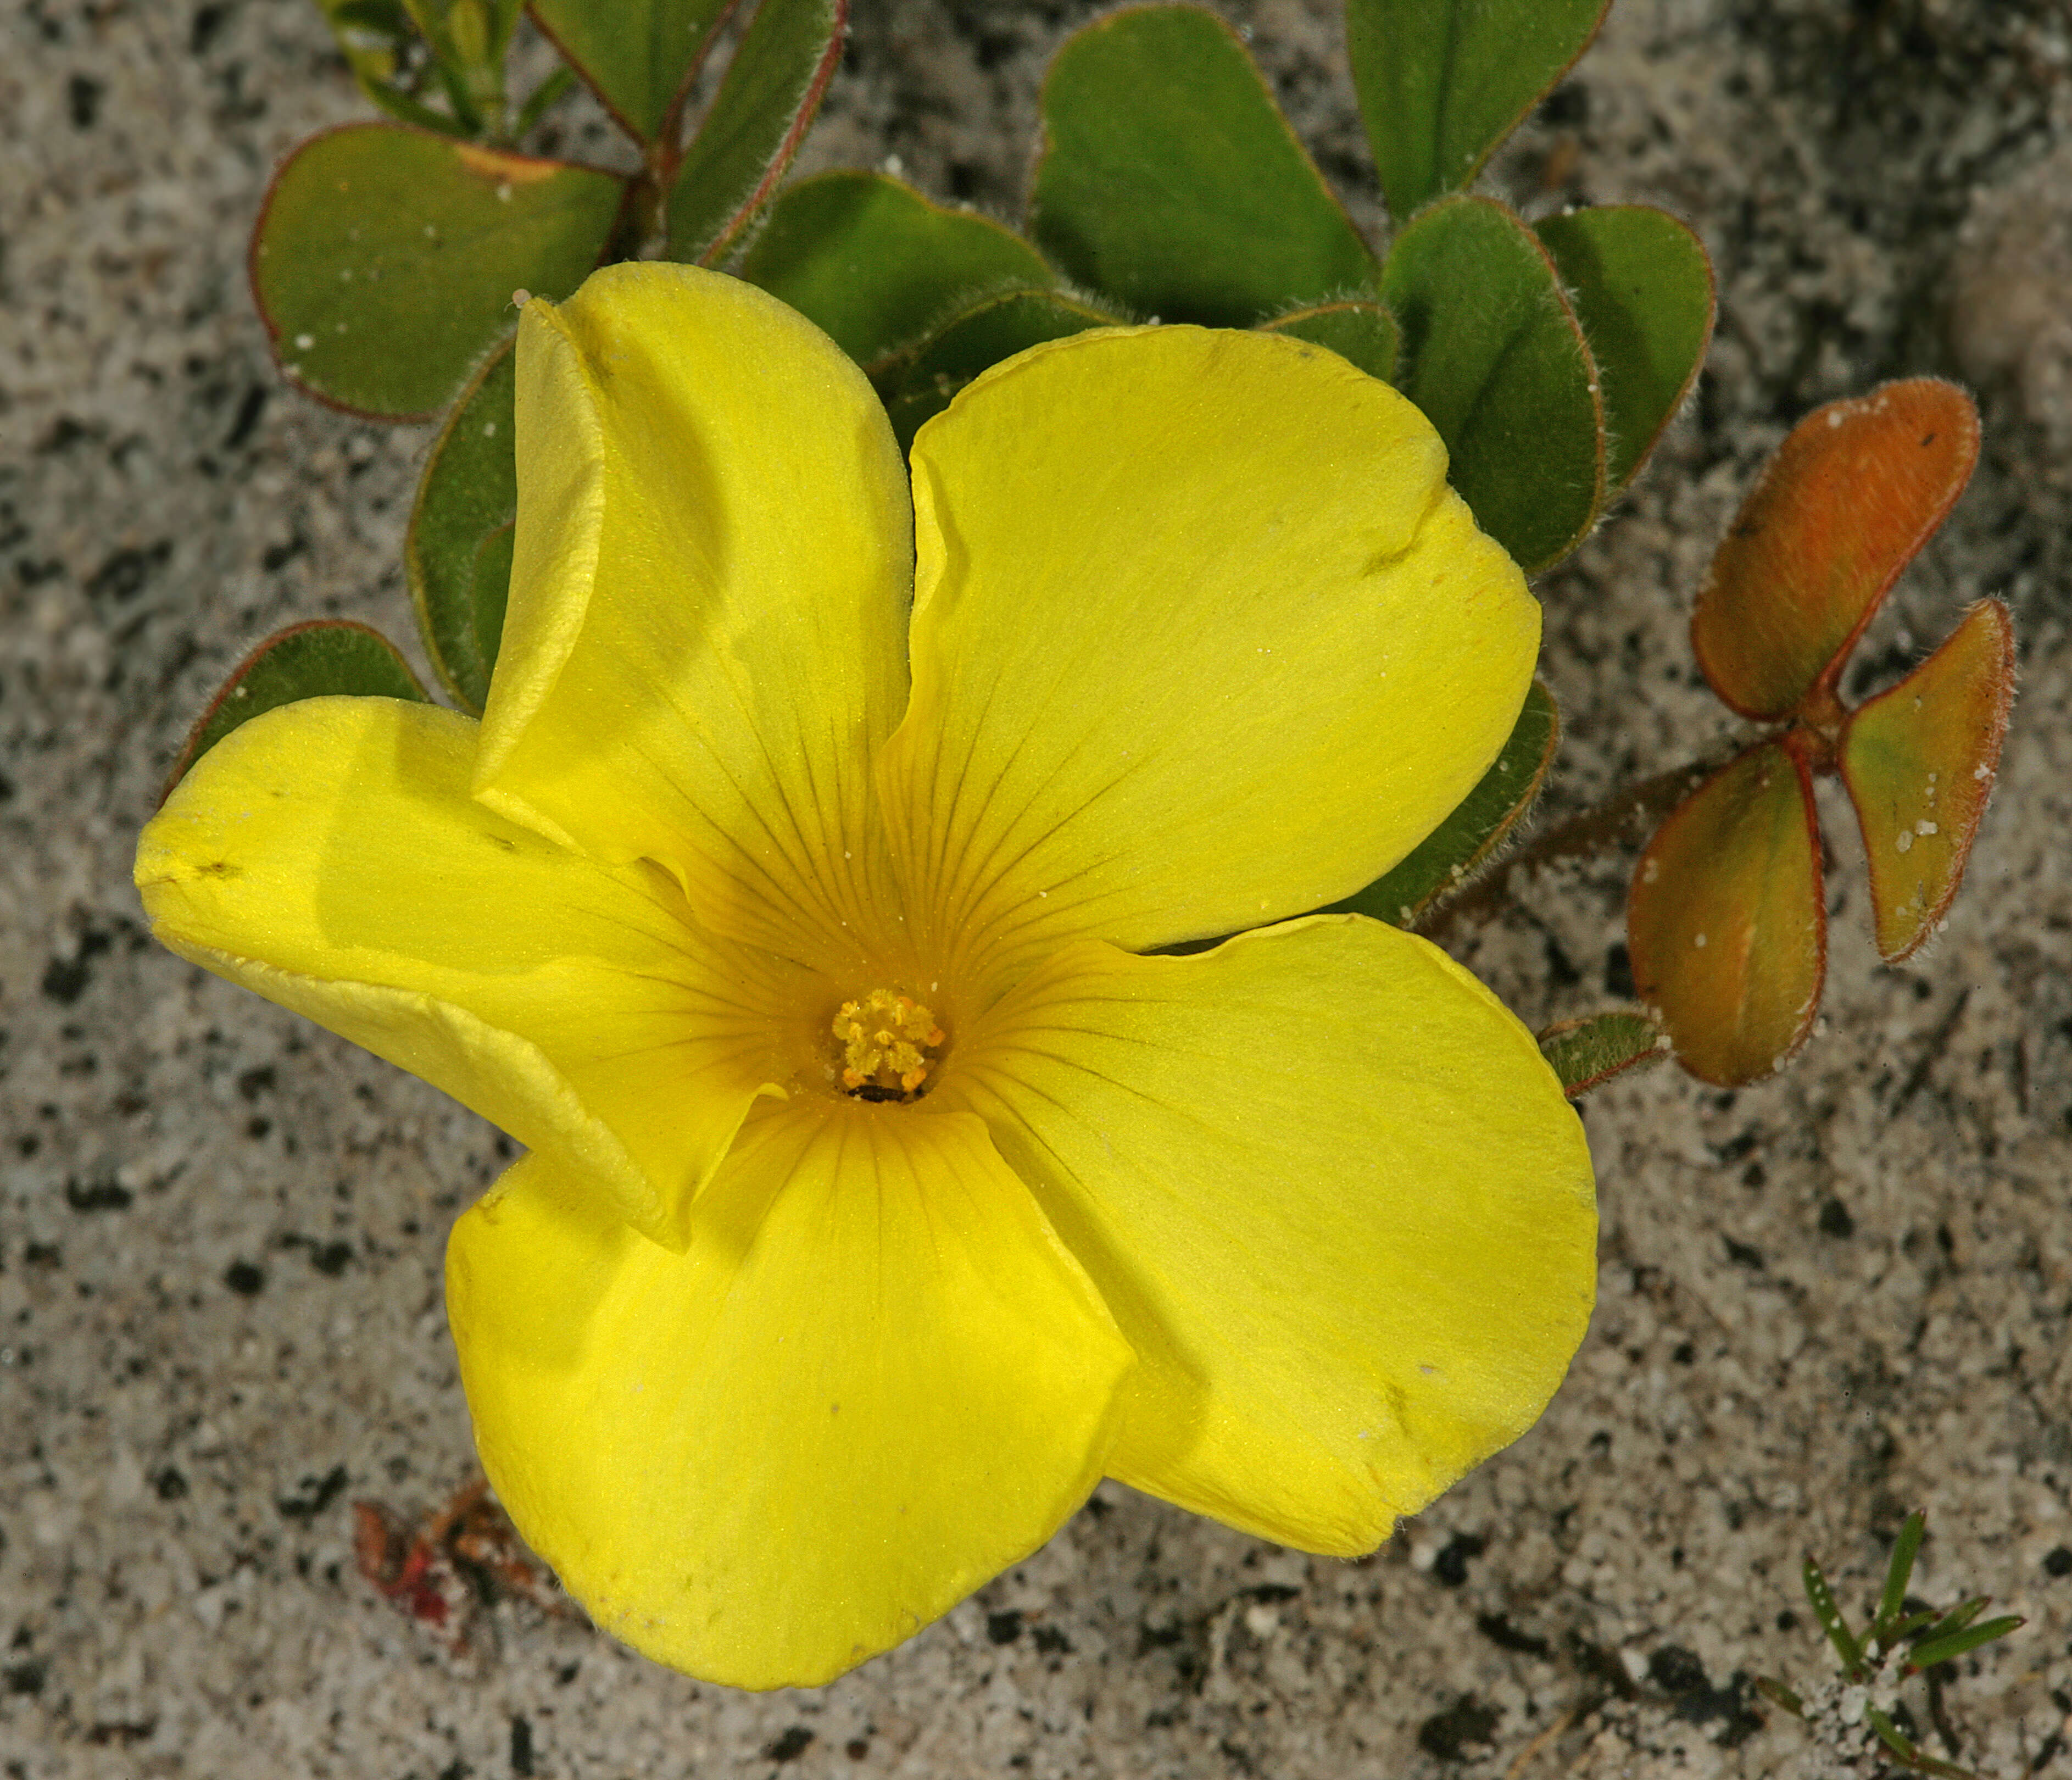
[638, 56]
[1588, 1052]
[1931, 1650]
[878, 267]
[1450, 855]
[312, 660]
[468, 493]
[378, 39]
[1493, 354]
[492, 591]
[1821, 1598]
[467, 39]
[385, 259]
[1642, 287]
[1170, 181]
[1893, 1603]
[995, 329]
[1907, 1627]
[764, 106]
[1441, 82]
[1363, 333]
[1959, 1617]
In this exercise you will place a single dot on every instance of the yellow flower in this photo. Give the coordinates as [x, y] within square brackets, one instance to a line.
[886, 1187]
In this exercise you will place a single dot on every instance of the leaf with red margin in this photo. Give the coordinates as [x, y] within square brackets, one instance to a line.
[467, 494]
[1850, 497]
[1725, 922]
[1642, 287]
[878, 268]
[319, 658]
[1494, 354]
[638, 56]
[385, 258]
[1587, 1053]
[1919, 761]
[765, 103]
[1171, 182]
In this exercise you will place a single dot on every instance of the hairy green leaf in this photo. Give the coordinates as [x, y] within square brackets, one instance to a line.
[1587, 1052]
[764, 106]
[996, 328]
[1494, 356]
[313, 660]
[878, 268]
[637, 55]
[1441, 82]
[468, 493]
[1362, 332]
[1641, 286]
[385, 259]
[1170, 181]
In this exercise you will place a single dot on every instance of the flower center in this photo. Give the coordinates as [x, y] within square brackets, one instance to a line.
[889, 1044]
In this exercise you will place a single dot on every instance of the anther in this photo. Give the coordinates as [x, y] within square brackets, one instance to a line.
[888, 1046]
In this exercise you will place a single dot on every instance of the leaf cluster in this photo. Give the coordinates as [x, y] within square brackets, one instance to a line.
[1727, 918]
[1914, 1638]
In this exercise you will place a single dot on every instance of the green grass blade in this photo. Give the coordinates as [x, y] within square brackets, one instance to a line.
[1931, 1650]
[1905, 1549]
[1832, 1622]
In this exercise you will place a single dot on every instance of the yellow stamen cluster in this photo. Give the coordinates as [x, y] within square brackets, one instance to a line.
[888, 1042]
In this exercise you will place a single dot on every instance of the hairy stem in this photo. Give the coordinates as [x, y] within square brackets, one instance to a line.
[1623, 819]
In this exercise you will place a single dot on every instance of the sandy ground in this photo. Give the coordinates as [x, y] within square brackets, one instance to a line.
[1823, 1301]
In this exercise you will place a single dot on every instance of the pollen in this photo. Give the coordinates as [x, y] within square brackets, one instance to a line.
[889, 1042]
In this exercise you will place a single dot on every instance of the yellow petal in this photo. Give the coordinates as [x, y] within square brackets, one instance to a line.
[1332, 1193]
[709, 586]
[1201, 640]
[328, 856]
[874, 1380]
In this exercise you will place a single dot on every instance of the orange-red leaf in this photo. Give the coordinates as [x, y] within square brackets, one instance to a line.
[1919, 761]
[1848, 499]
[1725, 922]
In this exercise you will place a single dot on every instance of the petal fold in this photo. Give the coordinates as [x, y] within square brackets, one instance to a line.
[327, 855]
[1201, 640]
[873, 1381]
[1334, 1196]
[710, 574]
